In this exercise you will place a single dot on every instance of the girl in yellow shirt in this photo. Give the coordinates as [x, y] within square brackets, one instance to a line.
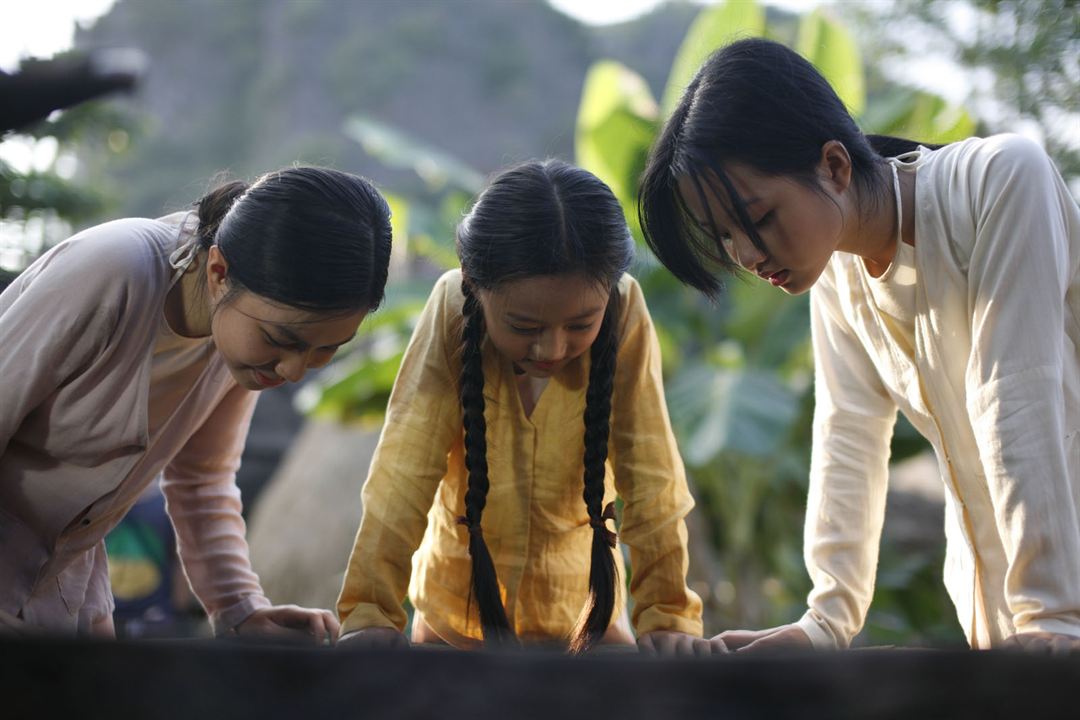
[529, 395]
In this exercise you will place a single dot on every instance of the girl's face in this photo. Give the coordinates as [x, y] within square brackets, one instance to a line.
[542, 323]
[265, 344]
[799, 226]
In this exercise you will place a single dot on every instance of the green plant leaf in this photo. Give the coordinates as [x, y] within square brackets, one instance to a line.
[713, 28]
[616, 124]
[920, 116]
[830, 46]
[397, 149]
[360, 394]
[715, 411]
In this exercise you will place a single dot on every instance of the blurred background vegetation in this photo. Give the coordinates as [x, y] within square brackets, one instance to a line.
[428, 97]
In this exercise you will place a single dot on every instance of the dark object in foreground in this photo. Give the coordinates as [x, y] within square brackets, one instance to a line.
[42, 86]
[197, 679]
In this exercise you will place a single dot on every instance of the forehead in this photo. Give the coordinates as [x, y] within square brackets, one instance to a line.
[548, 297]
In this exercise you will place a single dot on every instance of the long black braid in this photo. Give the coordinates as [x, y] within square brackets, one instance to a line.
[603, 574]
[485, 583]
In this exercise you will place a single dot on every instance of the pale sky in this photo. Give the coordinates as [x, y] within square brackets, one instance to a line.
[41, 28]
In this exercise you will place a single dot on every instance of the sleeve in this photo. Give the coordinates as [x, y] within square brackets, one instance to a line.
[423, 419]
[1019, 273]
[98, 603]
[203, 502]
[845, 508]
[650, 479]
[55, 320]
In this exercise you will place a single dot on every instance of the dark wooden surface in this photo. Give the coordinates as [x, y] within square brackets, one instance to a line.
[220, 679]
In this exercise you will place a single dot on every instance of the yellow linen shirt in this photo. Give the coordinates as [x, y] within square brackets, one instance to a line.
[535, 522]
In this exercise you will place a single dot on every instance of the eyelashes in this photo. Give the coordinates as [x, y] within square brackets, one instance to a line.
[536, 331]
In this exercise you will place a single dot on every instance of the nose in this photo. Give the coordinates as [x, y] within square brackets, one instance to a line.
[550, 346]
[743, 251]
[292, 366]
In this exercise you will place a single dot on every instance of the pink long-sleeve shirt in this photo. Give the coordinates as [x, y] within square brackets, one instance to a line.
[78, 444]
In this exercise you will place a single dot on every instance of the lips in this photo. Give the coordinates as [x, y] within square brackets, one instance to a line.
[544, 365]
[266, 381]
[776, 278]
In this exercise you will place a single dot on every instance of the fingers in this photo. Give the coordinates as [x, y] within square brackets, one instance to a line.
[677, 644]
[11, 625]
[769, 642]
[323, 626]
[317, 627]
[674, 644]
[717, 646]
[1043, 642]
[333, 627]
[1064, 645]
[703, 647]
[291, 621]
[737, 639]
[789, 636]
[375, 637]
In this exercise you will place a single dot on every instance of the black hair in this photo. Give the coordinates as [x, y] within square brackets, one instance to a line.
[306, 237]
[536, 219]
[761, 104]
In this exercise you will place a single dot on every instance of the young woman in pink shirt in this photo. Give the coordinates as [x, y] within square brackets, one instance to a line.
[135, 350]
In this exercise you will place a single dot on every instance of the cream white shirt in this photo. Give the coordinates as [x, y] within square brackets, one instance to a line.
[993, 384]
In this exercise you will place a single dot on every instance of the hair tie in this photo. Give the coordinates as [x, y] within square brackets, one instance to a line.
[608, 514]
[599, 523]
[474, 528]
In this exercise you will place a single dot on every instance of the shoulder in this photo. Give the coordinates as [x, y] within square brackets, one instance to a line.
[446, 299]
[1007, 148]
[631, 296]
[448, 287]
[115, 259]
[999, 162]
[633, 310]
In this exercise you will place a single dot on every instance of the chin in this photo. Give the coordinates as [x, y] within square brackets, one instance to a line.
[541, 373]
[243, 379]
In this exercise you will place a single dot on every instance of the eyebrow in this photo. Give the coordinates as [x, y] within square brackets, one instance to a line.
[526, 318]
[297, 340]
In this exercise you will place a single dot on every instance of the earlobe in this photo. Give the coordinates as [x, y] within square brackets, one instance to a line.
[835, 165]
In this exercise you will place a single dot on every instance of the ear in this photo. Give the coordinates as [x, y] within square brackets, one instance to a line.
[217, 273]
[834, 167]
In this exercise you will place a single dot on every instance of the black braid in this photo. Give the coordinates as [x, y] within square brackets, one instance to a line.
[485, 583]
[603, 574]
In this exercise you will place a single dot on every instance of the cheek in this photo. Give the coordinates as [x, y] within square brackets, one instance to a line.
[582, 343]
[238, 343]
[509, 345]
[320, 359]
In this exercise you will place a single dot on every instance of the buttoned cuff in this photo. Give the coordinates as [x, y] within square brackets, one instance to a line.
[820, 636]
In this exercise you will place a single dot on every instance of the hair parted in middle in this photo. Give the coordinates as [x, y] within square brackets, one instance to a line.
[541, 219]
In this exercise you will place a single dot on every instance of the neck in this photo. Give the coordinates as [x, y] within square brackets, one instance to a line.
[186, 309]
[875, 239]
